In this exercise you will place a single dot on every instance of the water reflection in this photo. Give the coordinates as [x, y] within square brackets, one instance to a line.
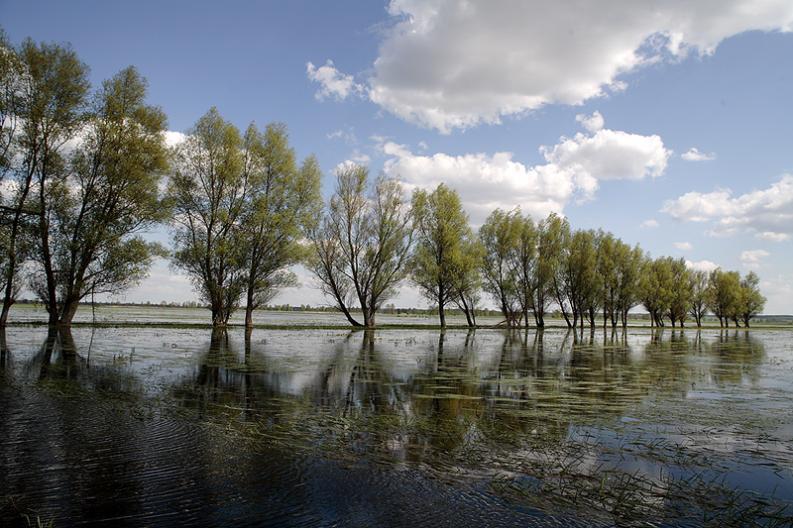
[554, 411]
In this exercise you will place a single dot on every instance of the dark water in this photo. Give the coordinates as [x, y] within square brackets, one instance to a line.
[159, 427]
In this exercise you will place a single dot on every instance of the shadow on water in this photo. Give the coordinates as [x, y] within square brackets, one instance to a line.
[311, 427]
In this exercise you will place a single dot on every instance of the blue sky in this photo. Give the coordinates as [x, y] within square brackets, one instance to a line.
[469, 92]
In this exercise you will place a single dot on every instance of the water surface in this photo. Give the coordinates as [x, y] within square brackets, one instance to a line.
[396, 427]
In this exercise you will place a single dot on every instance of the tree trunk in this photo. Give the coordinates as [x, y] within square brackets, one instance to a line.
[4, 313]
[68, 312]
[249, 306]
[442, 315]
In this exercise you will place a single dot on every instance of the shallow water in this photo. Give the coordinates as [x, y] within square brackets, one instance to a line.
[397, 427]
[145, 314]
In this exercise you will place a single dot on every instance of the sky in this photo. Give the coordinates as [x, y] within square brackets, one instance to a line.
[668, 123]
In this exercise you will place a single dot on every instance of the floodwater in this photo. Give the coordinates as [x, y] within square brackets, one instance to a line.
[171, 427]
[145, 314]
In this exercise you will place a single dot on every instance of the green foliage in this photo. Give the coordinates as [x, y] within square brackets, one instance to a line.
[208, 191]
[361, 246]
[442, 239]
[281, 205]
[500, 237]
[724, 295]
[751, 301]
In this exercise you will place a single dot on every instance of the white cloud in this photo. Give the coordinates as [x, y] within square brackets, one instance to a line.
[693, 154]
[772, 236]
[751, 258]
[173, 138]
[592, 123]
[701, 265]
[649, 224]
[573, 169]
[764, 211]
[684, 246]
[611, 154]
[446, 64]
[332, 82]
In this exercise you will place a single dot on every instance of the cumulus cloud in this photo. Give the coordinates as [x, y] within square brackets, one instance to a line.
[447, 65]
[610, 154]
[650, 223]
[701, 265]
[173, 138]
[573, 169]
[684, 246]
[762, 211]
[751, 258]
[693, 154]
[332, 83]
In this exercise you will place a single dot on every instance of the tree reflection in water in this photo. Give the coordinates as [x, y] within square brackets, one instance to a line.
[569, 411]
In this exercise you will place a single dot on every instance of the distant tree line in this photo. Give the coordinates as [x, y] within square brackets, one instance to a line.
[83, 174]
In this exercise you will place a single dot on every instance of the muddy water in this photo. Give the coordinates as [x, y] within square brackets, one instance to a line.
[160, 427]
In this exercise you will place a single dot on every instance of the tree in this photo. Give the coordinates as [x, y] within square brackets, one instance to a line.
[283, 202]
[48, 87]
[442, 236]
[361, 247]
[467, 279]
[680, 291]
[698, 284]
[109, 195]
[579, 274]
[524, 266]
[656, 288]
[209, 192]
[629, 265]
[724, 291]
[500, 237]
[554, 250]
[752, 301]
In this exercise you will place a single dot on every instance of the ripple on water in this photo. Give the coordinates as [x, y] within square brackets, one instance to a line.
[405, 428]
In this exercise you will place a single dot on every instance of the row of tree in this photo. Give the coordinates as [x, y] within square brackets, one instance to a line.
[370, 239]
[83, 175]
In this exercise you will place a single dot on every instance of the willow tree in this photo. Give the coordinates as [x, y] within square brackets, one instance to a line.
[724, 295]
[361, 247]
[107, 199]
[751, 300]
[698, 284]
[525, 266]
[442, 238]
[657, 288]
[500, 237]
[45, 93]
[629, 261]
[680, 292]
[554, 246]
[579, 274]
[467, 279]
[208, 191]
[283, 202]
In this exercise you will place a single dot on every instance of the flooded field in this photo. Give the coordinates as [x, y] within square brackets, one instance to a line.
[142, 314]
[169, 427]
